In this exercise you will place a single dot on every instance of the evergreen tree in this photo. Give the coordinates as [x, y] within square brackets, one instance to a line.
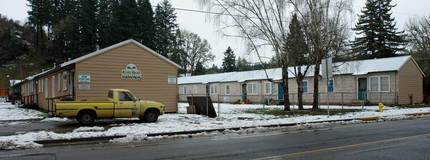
[298, 53]
[123, 25]
[214, 69]
[380, 38]
[145, 24]
[166, 26]
[243, 65]
[229, 61]
[200, 69]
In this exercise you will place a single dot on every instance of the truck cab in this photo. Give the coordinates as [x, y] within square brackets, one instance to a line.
[121, 103]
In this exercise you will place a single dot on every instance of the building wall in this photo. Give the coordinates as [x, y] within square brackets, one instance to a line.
[344, 91]
[410, 82]
[46, 94]
[105, 73]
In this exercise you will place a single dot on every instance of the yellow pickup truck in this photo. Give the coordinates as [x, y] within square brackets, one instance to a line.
[121, 103]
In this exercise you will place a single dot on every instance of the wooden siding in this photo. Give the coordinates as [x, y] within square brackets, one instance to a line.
[46, 102]
[410, 82]
[105, 72]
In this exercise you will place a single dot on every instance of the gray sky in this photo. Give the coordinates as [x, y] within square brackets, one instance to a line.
[201, 25]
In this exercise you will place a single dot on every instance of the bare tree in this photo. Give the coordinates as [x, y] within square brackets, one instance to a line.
[419, 44]
[325, 29]
[261, 23]
[194, 50]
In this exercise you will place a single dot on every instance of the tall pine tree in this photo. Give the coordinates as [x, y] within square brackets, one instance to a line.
[229, 61]
[379, 34]
[145, 24]
[166, 26]
[297, 50]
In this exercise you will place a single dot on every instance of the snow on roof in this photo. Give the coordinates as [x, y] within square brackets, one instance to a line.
[359, 67]
[115, 46]
[13, 82]
[363, 67]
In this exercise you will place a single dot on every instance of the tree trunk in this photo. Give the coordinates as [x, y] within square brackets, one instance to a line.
[191, 70]
[300, 91]
[316, 80]
[285, 86]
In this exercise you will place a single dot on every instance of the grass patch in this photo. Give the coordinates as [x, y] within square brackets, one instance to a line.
[415, 105]
[280, 112]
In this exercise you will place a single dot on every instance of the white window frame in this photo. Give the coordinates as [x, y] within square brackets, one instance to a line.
[307, 86]
[185, 90]
[379, 84]
[59, 82]
[250, 90]
[53, 86]
[39, 86]
[194, 89]
[227, 90]
[46, 87]
[271, 87]
[214, 89]
[64, 81]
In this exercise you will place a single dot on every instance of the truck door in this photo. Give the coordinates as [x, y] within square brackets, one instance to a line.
[126, 107]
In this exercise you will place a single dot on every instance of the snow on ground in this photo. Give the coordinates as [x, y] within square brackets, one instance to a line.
[229, 116]
[13, 112]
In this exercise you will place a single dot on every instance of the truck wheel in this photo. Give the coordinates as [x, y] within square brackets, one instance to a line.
[150, 116]
[86, 117]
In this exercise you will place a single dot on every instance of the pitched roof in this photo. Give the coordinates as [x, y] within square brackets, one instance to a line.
[359, 67]
[115, 46]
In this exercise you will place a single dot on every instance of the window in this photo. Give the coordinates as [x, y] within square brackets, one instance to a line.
[53, 86]
[214, 89]
[380, 84]
[59, 82]
[269, 87]
[39, 87]
[305, 86]
[125, 96]
[330, 86]
[185, 90]
[110, 94]
[227, 89]
[64, 81]
[252, 88]
[46, 87]
[195, 89]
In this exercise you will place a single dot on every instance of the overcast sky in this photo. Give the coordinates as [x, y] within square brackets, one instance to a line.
[201, 25]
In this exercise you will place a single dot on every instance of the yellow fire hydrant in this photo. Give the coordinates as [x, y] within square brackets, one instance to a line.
[380, 106]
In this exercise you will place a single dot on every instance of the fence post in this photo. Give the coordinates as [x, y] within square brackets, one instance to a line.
[192, 103]
[264, 109]
[219, 113]
[362, 104]
[342, 100]
[207, 104]
[380, 96]
[293, 102]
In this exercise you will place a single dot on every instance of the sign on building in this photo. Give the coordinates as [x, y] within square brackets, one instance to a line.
[131, 72]
[84, 77]
[171, 80]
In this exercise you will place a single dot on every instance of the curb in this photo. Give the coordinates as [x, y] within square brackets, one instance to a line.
[108, 138]
[376, 118]
[56, 142]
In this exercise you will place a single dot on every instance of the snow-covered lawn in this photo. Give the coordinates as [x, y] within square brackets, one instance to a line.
[13, 112]
[230, 116]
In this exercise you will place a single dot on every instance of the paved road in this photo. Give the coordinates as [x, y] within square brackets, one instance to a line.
[405, 139]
